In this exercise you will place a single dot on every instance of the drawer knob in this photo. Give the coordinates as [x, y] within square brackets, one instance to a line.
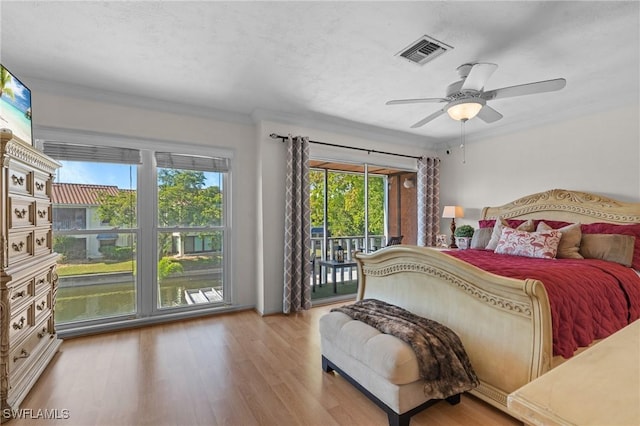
[20, 214]
[20, 324]
[40, 306]
[42, 333]
[42, 214]
[39, 186]
[41, 281]
[23, 354]
[18, 294]
[40, 241]
[17, 180]
[18, 246]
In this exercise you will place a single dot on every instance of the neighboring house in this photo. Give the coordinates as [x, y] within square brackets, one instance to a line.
[75, 207]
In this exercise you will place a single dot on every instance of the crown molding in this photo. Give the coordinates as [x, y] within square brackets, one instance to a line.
[346, 127]
[93, 94]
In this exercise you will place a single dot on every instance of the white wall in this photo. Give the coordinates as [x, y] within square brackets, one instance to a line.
[65, 112]
[258, 172]
[597, 153]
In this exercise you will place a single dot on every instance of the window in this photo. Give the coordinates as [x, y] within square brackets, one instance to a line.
[117, 264]
[191, 229]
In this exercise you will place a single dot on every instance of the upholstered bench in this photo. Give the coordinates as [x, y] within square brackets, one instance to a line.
[382, 366]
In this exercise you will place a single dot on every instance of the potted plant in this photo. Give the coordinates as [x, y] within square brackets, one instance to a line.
[463, 236]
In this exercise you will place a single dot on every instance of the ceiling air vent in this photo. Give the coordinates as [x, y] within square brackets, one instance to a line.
[424, 50]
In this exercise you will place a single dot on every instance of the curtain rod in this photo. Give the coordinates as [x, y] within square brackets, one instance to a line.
[368, 151]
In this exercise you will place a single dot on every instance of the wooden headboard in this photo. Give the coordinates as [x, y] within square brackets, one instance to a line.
[569, 206]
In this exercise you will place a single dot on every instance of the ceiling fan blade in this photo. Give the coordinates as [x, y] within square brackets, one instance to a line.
[488, 114]
[478, 76]
[415, 101]
[428, 119]
[525, 89]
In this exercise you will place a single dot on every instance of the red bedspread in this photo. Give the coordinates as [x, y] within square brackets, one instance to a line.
[590, 299]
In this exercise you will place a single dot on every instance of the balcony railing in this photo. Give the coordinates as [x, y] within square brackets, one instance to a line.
[350, 244]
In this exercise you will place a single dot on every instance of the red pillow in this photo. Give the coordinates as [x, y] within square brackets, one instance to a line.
[609, 228]
[490, 223]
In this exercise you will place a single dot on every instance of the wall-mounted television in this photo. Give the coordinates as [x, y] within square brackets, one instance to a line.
[15, 106]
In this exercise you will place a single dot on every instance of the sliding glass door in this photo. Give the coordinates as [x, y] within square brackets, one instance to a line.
[348, 214]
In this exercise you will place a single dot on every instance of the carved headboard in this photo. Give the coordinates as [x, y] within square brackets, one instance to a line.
[569, 206]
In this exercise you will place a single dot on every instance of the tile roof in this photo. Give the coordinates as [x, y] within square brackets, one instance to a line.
[80, 193]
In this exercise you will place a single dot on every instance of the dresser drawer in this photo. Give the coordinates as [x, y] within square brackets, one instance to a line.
[42, 281]
[20, 246]
[41, 185]
[43, 213]
[19, 180]
[21, 212]
[42, 306]
[42, 241]
[21, 323]
[21, 293]
[22, 354]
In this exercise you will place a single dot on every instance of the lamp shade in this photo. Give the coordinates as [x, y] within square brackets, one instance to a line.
[464, 111]
[452, 212]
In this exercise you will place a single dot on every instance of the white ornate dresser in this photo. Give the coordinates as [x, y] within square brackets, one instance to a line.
[28, 279]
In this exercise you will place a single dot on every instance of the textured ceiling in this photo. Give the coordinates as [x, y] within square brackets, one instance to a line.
[331, 59]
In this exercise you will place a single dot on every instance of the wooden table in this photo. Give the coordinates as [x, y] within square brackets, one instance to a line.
[600, 386]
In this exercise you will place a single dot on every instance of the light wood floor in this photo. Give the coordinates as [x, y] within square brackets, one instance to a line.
[233, 369]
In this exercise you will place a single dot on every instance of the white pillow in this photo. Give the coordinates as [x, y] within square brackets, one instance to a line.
[502, 223]
[530, 244]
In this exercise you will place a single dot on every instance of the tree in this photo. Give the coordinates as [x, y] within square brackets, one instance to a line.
[5, 80]
[118, 210]
[345, 198]
[184, 200]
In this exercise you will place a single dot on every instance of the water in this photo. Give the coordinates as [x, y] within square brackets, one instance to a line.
[87, 302]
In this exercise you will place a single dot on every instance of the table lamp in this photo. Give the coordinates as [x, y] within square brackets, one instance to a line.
[453, 212]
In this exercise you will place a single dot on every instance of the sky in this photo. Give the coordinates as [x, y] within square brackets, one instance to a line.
[123, 176]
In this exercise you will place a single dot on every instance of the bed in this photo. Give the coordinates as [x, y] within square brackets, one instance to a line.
[504, 323]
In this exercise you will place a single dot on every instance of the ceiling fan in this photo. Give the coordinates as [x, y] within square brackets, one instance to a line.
[467, 98]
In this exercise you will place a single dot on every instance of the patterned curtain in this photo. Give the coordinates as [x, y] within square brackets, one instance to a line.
[428, 200]
[297, 232]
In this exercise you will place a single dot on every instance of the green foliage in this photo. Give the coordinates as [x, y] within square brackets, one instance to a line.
[183, 199]
[118, 210]
[167, 267]
[69, 247]
[5, 80]
[464, 231]
[116, 253]
[345, 198]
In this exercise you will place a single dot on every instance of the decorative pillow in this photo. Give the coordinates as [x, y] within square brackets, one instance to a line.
[608, 228]
[481, 238]
[530, 244]
[569, 243]
[612, 247]
[502, 223]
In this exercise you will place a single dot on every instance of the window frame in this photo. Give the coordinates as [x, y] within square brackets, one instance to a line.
[147, 311]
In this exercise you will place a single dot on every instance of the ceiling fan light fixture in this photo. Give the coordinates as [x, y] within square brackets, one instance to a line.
[464, 109]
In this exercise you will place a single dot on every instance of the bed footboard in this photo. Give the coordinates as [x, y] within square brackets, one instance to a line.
[503, 323]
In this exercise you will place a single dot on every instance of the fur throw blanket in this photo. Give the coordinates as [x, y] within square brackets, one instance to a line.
[443, 362]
